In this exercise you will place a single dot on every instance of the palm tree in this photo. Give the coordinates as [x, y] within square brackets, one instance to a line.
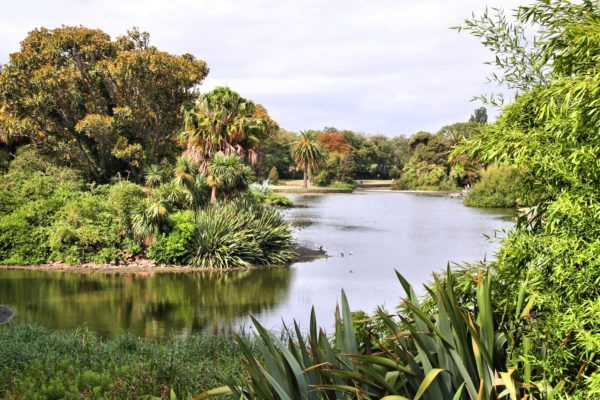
[307, 153]
[155, 175]
[185, 170]
[223, 121]
[174, 194]
[227, 172]
[149, 219]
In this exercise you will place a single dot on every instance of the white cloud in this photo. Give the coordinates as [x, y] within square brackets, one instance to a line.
[388, 66]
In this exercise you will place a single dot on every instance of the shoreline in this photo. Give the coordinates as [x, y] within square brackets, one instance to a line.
[301, 190]
[304, 254]
[453, 194]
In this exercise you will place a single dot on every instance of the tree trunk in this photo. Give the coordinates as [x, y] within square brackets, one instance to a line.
[213, 194]
[305, 178]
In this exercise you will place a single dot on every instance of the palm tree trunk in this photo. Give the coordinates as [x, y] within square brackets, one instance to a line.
[213, 194]
[305, 178]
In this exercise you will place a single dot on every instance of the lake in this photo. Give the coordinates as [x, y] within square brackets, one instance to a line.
[366, 236]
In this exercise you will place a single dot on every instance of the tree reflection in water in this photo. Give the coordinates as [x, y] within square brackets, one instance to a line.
[148, 304]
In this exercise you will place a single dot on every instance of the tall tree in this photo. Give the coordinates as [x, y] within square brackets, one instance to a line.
[223, 121]
[102, 105]
[479, 116]
[307, 153]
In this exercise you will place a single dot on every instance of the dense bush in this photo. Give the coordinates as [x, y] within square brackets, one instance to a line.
[551, 132]
[342, 185]
[173, 248]
[95, 226]
[31, 194]
[500, 186]
[40, 364]
[46, 213]
[225, 235]
[262, 193]
[424, 176]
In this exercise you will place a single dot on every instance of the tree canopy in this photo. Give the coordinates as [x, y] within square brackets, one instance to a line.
[102, 105]
[223, 121]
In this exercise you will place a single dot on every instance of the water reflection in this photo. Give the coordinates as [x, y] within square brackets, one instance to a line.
[150, 305]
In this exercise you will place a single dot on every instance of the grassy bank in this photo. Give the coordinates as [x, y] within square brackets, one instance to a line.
[296, 186]
[375, 183]
[36, 363]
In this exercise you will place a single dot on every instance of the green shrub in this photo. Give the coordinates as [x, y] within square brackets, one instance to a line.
[96, 225]
[174, 248]
[32, 192]
[85, 230]
[22, 242]
[342, 185]
[278, 199]
[500, 186]
[222, 236]
[47, 213]
[262, 193]
[423, 176]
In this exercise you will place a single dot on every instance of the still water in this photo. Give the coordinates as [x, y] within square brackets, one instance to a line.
[366, 235]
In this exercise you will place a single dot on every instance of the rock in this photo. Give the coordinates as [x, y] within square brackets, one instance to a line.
[6, 314]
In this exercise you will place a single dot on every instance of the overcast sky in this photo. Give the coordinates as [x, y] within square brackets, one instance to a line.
[378, 66]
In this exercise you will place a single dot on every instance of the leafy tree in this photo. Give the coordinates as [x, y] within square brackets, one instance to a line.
[419, 138]
[222, 121]
[455, 133]
[308, 153]
[550, 132]
[274, 151]
[338, 167]
[435, 151]
[104, 106]
[334, 141]
[480, 116]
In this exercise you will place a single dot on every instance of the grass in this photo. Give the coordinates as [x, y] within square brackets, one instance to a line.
[37, 363]
[375, 183]
[296, 186]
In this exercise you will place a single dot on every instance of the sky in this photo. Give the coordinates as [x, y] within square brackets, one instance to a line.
[379, 67]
